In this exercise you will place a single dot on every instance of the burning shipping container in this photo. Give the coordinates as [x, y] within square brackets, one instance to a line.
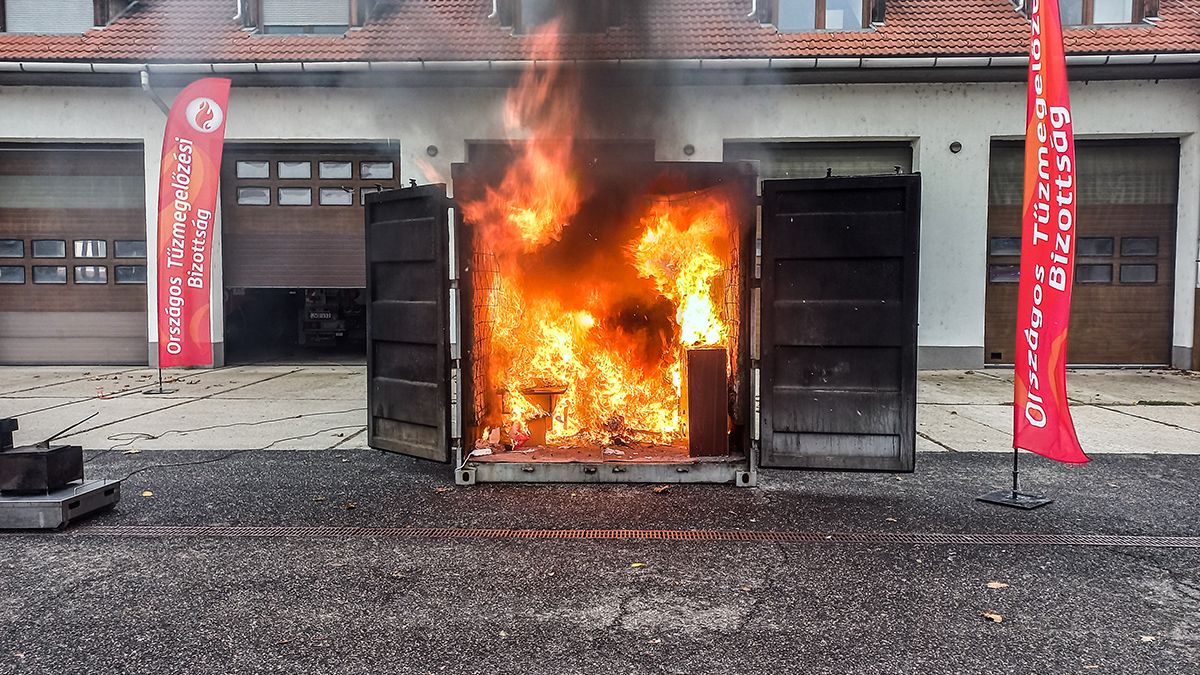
[608, 312]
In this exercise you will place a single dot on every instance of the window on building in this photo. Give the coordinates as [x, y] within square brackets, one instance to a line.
[253, 169]
[798, 16]
[1139, 274]
[1005, 246]
[254, 196]
[1094, 247]
[302, 170]
[336, 170]
[49, 274]
[376, 170]
[91, 274]
[130, 274]
[91, 248]
[12, 274]
[129, 248]
[49, 248]
[49, 17]
[12, 248]
[337, 196]
[363, 192]
[295, 196]
[1093, 274]
[1105, 12]
[578, 16]
[1004, 274]
[1139, 246]
[309, 17]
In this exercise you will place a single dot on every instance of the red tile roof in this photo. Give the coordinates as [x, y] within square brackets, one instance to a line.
[459, 30]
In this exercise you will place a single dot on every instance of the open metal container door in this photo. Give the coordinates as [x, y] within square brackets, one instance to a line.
[408, 322]
[839, 323]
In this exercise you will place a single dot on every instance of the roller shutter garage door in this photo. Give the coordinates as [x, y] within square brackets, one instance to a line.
[1122, 300]
[292, 215]
[817, 160]
[72, 255]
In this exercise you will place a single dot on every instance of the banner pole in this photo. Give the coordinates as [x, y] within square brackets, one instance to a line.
[160, 391]
[1014, 497]
[1016, 470]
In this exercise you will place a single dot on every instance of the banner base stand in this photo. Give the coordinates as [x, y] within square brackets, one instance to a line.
[1014, 499]
[160, 391]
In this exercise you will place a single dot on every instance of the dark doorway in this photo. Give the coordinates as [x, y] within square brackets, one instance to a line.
[295, 324]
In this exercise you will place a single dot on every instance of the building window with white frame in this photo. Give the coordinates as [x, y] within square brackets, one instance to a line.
[304, 17]
[1105, 12]
[799, 16]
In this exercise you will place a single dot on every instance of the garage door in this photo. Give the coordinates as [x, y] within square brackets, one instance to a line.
[1122, 301]
[817, 160]
[292, 215]
[72, 255]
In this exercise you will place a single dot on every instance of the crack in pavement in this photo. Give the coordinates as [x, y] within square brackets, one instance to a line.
[349, 438]
[936, 442]
[1147, 419]
[121, 394]
[183, 403]
[9, 394]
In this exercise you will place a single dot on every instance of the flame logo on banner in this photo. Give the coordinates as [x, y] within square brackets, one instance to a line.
[204, 115]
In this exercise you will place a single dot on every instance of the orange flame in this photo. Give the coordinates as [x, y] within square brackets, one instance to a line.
[596, 316]
[536, 198]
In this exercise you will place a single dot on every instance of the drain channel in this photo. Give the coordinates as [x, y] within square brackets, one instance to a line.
[943, 539]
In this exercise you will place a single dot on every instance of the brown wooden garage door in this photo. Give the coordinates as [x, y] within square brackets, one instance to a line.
[1122, 301]
[292, 215]
[72, 255]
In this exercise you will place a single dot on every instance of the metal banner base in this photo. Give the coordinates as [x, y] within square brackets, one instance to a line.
[1017, 500]
[59, 507]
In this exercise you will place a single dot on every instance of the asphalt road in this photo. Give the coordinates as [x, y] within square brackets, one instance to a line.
[99, 601]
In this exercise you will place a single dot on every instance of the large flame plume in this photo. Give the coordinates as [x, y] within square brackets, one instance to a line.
[589, 304]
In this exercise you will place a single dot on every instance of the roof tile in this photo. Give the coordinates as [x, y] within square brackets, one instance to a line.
[436, 30]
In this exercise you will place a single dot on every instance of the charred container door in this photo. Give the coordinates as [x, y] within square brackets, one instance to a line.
[839, 323]
[408, 329]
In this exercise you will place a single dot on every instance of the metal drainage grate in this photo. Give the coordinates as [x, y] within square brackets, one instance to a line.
[943, 539]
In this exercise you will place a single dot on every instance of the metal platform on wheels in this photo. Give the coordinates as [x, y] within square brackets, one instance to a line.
[57, 508]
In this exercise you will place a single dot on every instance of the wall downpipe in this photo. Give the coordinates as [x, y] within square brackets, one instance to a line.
[162, 105]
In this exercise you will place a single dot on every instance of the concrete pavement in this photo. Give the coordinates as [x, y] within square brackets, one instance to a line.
[112, 596]
[243, 407]
[339, 587]
[1115, 411]
[316, 407]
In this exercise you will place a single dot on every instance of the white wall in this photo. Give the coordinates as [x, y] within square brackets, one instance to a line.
[953, 254]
